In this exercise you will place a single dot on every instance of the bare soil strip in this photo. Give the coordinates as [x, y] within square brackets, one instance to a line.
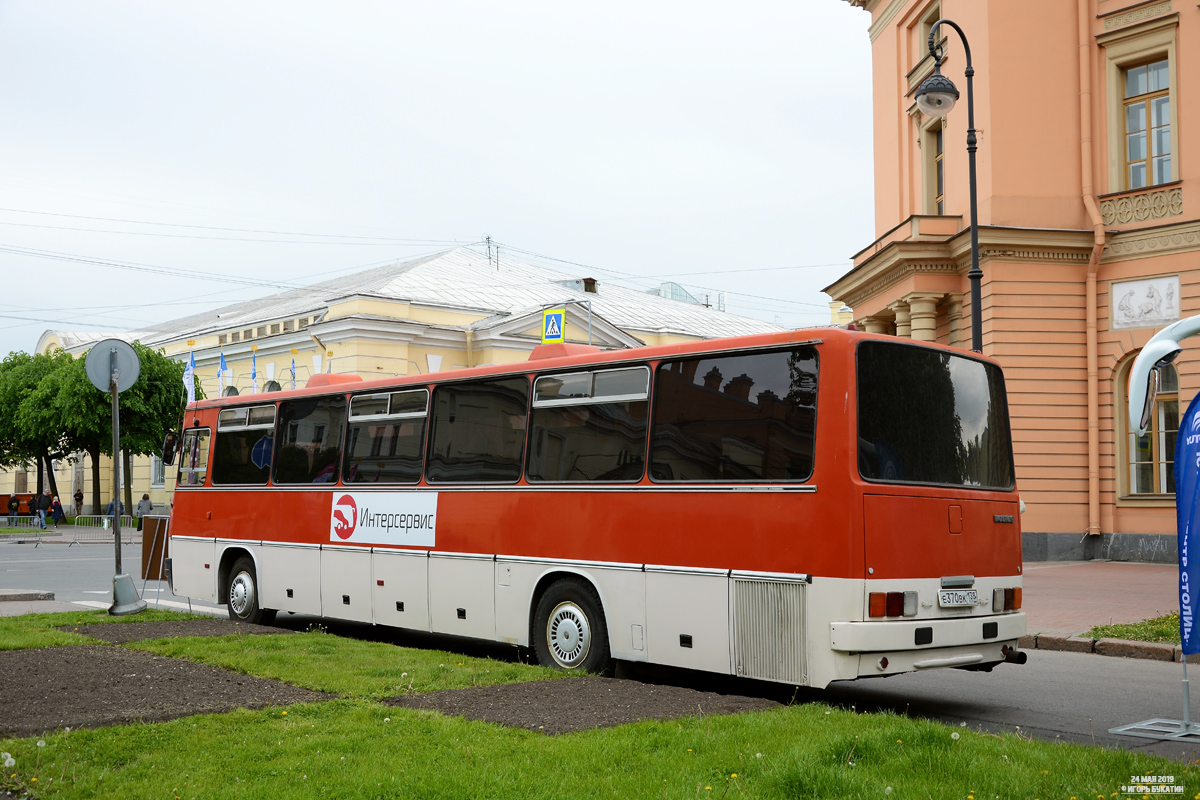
[91, 686]
[577, 704]
[121, 632]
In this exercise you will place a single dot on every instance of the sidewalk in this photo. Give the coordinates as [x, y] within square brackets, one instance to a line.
[1066, 598]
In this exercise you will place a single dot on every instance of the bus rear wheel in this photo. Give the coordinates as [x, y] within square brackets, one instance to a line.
[242, 598]
[569, 631]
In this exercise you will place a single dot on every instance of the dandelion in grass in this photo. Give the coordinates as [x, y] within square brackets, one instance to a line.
[285, 713]
[387, 719]
[887, 790]
[899, 741]
[733, 774]
[954, 736]
[758, 755]
[41, 742]
[10, 762]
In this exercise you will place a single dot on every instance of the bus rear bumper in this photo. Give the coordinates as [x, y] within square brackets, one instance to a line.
[981, 656]
[925, 634]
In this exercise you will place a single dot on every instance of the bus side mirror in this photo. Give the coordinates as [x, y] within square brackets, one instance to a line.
[169, 448]
[1161, 350]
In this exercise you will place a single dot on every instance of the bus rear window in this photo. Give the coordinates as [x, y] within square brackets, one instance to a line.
[745, 417]
[478, 431]
[928, 416]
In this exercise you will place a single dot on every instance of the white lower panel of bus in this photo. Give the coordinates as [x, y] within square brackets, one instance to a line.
[194, 568]
[462, 598]
[401, 591]
[857, 637]
[289, 578]
[346, 583]
[687, 615]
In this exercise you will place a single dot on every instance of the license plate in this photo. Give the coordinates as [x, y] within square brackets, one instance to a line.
[957, 597]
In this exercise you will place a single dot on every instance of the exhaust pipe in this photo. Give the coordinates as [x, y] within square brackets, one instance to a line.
[1014, 656]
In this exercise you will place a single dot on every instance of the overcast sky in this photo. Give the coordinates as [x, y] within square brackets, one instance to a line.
[723, 146]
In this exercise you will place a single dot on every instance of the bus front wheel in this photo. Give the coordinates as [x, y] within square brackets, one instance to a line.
[242, 598]
[569, 630]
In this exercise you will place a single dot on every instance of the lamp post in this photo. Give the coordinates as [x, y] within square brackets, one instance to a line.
[935, 97]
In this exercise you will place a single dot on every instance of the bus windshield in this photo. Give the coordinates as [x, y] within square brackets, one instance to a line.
[927, 416]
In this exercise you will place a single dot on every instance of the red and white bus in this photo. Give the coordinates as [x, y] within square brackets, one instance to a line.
[800, 507]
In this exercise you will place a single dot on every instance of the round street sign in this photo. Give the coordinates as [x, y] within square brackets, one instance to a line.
[99, 365]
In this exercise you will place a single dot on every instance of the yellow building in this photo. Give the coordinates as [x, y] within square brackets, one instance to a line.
[447, 311]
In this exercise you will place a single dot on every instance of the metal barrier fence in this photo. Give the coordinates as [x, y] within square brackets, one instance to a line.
[25, 529]
[94, 528]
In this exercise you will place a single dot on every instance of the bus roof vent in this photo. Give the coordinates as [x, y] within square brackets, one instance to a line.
[327, 379]
[561, 350]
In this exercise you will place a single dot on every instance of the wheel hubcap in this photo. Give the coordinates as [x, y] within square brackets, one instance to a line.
[569, 635]
[241, 594]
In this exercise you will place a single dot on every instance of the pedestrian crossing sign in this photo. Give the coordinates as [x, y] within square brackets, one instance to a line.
[552, 326]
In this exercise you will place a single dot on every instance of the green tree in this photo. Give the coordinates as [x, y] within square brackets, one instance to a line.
[29, 426]
[148, 409]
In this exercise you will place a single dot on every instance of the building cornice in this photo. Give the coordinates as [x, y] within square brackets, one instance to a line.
[1161, 240]
[952, 255]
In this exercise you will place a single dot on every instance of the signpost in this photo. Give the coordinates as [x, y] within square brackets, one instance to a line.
[113, 366]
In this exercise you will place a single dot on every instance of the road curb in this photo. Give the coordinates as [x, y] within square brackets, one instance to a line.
[8, 595]
[1120, 648]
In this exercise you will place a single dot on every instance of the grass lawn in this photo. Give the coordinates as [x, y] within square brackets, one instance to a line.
[1160, 629]
[355, 747]
[40, 630]
[359, 749]
[347, 667]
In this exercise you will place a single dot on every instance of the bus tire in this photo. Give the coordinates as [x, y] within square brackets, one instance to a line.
[569, 630]
[242, 597]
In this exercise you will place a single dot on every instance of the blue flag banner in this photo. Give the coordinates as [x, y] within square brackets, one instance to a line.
[221, 370]
[1187, 509]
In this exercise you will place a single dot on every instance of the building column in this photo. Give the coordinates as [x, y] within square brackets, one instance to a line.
[875, 325]
[903, 319]
[954, 311]
[923, 311]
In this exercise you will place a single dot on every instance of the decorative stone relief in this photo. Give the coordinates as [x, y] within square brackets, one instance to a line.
[1137, 15]
[1142, 207]
[1151, 243]
[1144, 304]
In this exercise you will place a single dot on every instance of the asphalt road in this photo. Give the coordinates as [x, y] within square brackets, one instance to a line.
[1071, 697]
[82, 573]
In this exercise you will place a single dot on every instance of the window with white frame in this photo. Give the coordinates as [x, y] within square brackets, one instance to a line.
[158, 473]
[1147, 124]
[1151, 458]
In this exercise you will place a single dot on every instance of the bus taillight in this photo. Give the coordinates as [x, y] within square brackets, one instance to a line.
[877, 604]
[892, 604]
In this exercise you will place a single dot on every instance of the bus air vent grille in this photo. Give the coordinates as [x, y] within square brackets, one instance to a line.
[769, 623]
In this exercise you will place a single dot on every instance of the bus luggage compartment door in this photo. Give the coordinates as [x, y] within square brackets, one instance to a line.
[462, 594]
[930, 537]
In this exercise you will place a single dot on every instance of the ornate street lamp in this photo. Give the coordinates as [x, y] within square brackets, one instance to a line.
[935, 97]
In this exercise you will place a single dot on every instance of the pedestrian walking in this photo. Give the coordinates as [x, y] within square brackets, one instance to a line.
[43, 508]
[14, 505]
[144, 507]
[78, 502]
[108, 512]
[56, 512]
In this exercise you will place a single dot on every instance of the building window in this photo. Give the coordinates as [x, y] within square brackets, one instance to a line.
[1147, 125]
[223, 338]
[1152, 457]
[939, 169]
[287, 325]
[934, 174]
[158, 473]
[275, 329]
[237, 337]
[248, 333]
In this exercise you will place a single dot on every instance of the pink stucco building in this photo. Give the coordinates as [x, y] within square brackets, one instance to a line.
[1088, 111]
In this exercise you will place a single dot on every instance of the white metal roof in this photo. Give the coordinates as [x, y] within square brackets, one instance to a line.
[463, 279]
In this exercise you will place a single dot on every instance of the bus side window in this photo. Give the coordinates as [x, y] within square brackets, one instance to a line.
[589, 426]
[742, 417]
[193, 457]
[242, 453]
[385, 442]
[309, 440]
[478, 431]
